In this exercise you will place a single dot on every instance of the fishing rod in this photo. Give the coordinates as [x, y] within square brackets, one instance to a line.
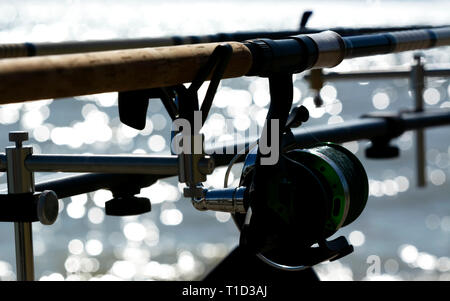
[25, 79]
[272, 188]
[47, 48]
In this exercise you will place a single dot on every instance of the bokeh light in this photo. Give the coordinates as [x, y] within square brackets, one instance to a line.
[380, 100]
[357, 238]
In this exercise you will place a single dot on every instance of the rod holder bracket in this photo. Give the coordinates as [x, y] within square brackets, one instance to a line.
[316, 81]
[125, 202]
[126, 205]
[193, 164]
[380, 147]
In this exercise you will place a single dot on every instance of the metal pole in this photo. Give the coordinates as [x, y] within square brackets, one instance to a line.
[112, 164]
[84, 183]
[358, 129]
[418, 84]
[357, 75]
[133, 164]
[336, 76]
[24, 251]
[437, 73]
[20, 180]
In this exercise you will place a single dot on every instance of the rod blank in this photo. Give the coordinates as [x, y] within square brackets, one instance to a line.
[392, 42]
[47, 48]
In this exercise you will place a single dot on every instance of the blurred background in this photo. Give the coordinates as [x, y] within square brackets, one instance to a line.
[403, 228]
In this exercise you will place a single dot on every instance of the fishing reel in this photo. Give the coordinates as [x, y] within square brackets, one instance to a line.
[286, 211]
[300, 202]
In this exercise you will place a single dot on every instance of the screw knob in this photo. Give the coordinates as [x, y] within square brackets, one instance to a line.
[18, 137]
[297, 116]
[47, 207]
[418, 57]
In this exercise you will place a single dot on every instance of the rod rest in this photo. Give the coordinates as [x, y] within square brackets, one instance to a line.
[380, 147]
[124, 205]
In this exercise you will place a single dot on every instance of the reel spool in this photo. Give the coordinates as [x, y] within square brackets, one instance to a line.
[299, 202]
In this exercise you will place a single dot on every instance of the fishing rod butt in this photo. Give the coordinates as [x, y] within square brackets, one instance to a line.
[58, 76]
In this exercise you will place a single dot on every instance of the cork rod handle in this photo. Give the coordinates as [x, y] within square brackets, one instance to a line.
[57, 76]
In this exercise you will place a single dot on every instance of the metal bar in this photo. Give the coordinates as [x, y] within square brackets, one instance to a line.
[84, 183]
[437, 73]
[161, 165]
[20, 180]
[3, 162]
[24, 251]
[358, 129]
[38, 49]
[425, 119]
[335, 76]
[418, 85]
[420, 158]
[367, 128]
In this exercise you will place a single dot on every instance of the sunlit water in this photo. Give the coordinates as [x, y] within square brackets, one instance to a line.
[404, 230]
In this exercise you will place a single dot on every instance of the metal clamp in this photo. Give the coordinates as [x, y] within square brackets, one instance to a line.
[192, 157]
[316, 84]
[224, 200]
[180, 103]
[29, 207]
[381, 147]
